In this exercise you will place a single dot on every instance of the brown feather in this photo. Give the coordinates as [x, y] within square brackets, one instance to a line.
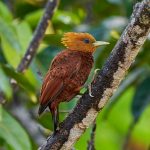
[63, 68]
[68, 72]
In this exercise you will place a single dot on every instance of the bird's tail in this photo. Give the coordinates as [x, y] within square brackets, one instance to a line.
[41, 109]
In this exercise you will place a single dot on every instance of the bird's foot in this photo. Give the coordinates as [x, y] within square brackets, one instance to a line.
[90, 91]
[85, 87]
[95, 74]
[93, 80]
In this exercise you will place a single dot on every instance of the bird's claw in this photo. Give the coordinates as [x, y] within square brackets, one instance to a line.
[96, 70]
[91, 95]
[95, 74]
[90, 91]
[89, 86]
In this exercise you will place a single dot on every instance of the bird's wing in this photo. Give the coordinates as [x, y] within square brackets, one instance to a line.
[62, 68]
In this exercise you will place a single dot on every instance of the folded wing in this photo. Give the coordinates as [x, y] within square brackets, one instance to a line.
[63, 68]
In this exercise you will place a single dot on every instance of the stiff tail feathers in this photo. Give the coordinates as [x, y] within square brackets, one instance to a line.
[41, 109]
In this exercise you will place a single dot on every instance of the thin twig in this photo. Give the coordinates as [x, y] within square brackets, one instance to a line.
[91, 145]
[106, 82]
[24, 64]
[38, 35]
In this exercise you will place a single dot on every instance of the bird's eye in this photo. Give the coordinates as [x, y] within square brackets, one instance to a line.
[86, 41]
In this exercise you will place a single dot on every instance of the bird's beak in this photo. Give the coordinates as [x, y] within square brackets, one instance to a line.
[99, 43]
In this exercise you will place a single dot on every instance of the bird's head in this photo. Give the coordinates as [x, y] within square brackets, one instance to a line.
[81, 42]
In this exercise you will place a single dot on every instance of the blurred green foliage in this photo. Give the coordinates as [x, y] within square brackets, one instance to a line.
[105, 20]
[14, 135]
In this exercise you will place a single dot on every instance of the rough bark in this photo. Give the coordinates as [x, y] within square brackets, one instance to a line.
[38, 35]
[106, 82]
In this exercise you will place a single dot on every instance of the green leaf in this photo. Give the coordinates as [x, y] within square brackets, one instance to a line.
[32, 76]
[66, 17]
[130, 79]
[43, 121]
[5, 86]
[10, 45]
[5, 13]
[24, 34]
[115, 1]
[20, 78]
[13, 134]
[33, 17]
[53, 39]
[44, 58]
[141, 98]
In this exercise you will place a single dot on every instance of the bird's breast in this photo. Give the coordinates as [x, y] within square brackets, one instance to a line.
[86, 65]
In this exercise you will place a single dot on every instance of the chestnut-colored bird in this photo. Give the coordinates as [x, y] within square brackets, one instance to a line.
[68, 72]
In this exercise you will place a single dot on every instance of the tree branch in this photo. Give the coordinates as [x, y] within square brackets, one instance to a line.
[38, 35]
[106, 82]
[24, 64]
